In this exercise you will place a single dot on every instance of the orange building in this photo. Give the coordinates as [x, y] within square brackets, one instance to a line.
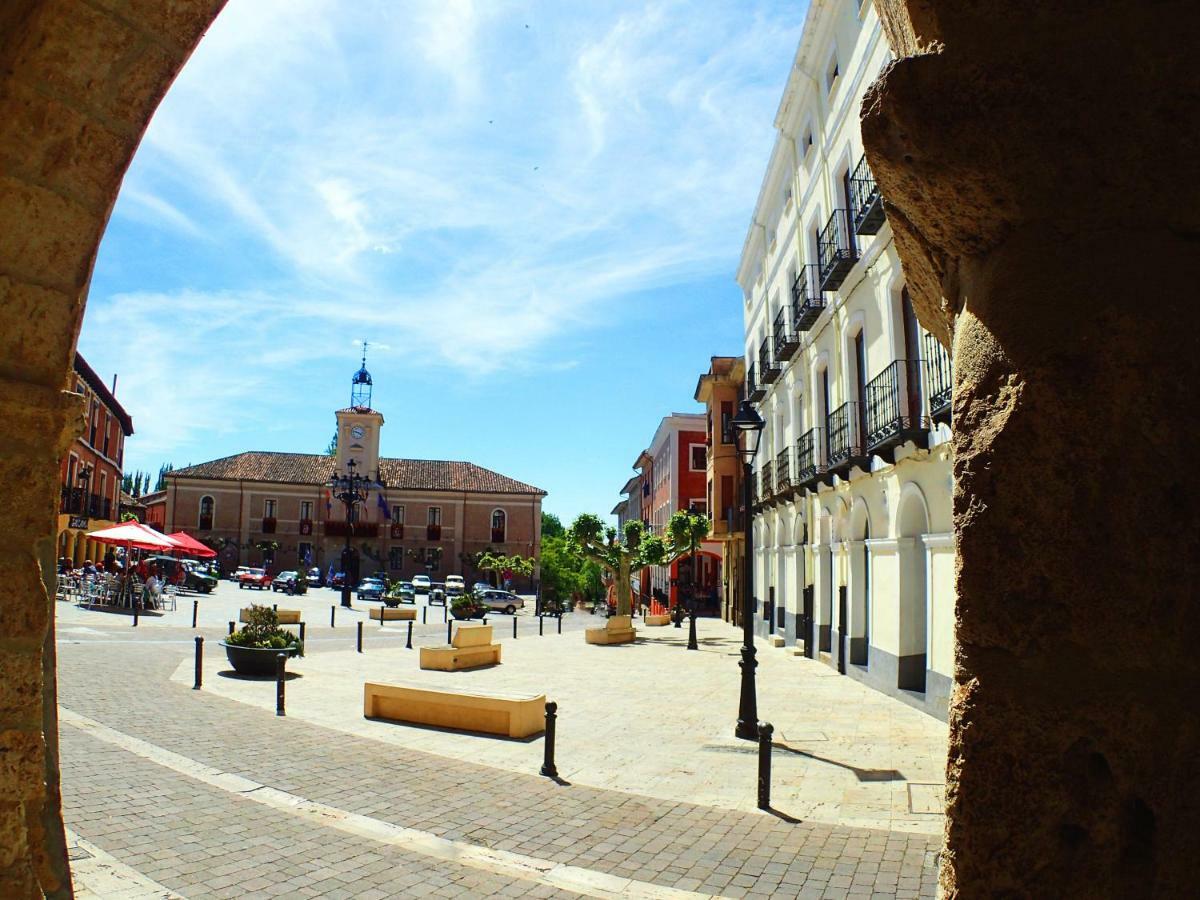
[90, 473]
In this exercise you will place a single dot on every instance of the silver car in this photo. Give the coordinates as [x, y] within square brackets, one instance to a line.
[501, 601]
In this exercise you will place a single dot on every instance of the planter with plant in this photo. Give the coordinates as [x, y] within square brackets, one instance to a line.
[467, 607]
[252, 649]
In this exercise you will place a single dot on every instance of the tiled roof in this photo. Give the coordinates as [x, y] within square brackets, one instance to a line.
[315, 468]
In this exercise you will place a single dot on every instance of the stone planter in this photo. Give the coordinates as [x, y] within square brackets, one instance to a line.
[255, 660]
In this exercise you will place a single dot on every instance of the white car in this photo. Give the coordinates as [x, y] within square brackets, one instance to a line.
[421, 584]
[455, 584]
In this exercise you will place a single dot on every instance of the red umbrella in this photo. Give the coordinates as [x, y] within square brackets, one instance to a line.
[133, 534]
[189, 546]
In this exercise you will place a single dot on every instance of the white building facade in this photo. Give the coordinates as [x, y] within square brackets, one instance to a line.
[853, 548]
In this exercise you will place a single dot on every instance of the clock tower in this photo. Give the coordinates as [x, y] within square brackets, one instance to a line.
[358, 427]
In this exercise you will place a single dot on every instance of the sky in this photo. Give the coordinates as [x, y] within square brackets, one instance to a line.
[531, 211]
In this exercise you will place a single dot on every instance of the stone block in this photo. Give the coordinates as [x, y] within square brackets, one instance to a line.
[21, 686]
[618, 630]
[285, 616]
[34, 345]
[472, 636]
[393, 614]
[22, 763]
[455, 659]
[657, 621]
[46, 238]
[513, 715]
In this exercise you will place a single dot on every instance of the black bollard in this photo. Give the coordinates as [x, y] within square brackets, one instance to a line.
[274, 607]
[360, 636]
[332, 613]
[280, 663]
[408, 642]
[424, 617]
[560, 623]
[445, 613]
[301, 638]
[514, 628]
[548, 767]
[232, 626]
[449, 625]
[483, 621]
[195, 611]
[381, 609]
[541, 625]
[136, 606]
[765, 730]
[199, 663]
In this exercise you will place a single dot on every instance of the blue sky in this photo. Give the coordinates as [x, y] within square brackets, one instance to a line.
[532, 211]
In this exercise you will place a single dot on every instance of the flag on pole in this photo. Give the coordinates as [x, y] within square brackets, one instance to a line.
[382, 504]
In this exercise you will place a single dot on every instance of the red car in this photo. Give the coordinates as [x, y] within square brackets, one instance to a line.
[255, 578]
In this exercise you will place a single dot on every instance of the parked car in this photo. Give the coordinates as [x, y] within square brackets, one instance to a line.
[314, 578]
[179, 572]
[285, 581]
[401, 592]
[338, 580]
[437, 594]
[500, 601]
[255, 578]
[421, 584]
[370, 589]
[455, 585]
[480, 586]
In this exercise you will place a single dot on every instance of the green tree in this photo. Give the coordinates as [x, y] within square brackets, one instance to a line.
[161, 484]
[499, 563]
[635, 550]
[552, 526]
[566, 574]
[331, 450]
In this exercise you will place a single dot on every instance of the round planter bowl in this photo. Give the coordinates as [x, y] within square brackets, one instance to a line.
[254, 660]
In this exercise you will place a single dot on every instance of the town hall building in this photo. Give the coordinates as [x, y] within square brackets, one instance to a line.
[416, 516]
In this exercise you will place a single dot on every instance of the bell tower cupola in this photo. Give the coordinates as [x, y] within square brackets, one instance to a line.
[361, 384]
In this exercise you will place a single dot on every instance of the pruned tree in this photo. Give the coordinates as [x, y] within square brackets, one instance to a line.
[591, 539]
[499, 563]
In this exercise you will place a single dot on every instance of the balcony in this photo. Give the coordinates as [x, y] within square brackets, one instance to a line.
[864, 196]
[356, 529]
[787, 342]
[783, 475]
[807, 300]
[836, 250]
[939, 379]
[846, 447]
[397, 531]
[766, 479]
[766, 365]
[754, 391]
[895, 411]
[268, 525]
[433, 532]
[306, 526]
[810, 467]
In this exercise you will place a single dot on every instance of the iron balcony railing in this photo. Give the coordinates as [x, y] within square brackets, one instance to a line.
[754, 390]
[767, 481]
[787, 341]
[810, 463]
[867, 205]
[836, 250]
[783, 472]
[766, 365]
[807, 299]
[940, 379]
[846, 447]
[895, 409]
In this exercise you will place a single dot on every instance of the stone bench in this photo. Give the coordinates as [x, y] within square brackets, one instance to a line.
[392, 614]
[285, 616]
[470, 648]
[617, 630]
[512, 715]
[664, 619]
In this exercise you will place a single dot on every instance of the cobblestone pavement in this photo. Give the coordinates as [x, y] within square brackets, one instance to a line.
[353, 810]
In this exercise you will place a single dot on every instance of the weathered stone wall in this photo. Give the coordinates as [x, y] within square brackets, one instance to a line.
[78, 84]
[1040, 169]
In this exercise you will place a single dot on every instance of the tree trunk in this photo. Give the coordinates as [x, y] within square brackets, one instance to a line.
[624, 589]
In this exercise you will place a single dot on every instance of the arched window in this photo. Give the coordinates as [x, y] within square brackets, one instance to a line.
[206, 513]
[499, 526]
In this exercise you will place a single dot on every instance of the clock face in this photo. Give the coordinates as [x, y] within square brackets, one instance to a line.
[357, 432]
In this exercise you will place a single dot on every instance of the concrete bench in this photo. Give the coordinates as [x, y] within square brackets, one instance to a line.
[393, 614]
[664, 619]
[513, 715]
[285, 616]
[617, 630]
[470, 648]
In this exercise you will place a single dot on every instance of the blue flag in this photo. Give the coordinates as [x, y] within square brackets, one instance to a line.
[382, 504]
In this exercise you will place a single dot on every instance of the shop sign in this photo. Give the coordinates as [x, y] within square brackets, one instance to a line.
[77, 522]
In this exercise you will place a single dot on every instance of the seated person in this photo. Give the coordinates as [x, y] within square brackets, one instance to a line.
[153, 590]
[89, 568]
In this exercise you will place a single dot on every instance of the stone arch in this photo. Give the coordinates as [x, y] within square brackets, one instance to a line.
[912, 523]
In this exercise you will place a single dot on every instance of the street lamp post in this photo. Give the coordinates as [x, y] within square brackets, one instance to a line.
[692, 644]
[349, 489]
[84, 478]
[748, 424]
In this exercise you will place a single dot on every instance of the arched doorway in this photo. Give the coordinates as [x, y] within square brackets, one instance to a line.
[912, 522]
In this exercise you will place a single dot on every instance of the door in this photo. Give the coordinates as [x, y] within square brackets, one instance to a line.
[806, 622]
[771, 610]
[848, 215]
[843, 631]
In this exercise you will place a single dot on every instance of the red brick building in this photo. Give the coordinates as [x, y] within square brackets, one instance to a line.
[90, 473]
[417, 511]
